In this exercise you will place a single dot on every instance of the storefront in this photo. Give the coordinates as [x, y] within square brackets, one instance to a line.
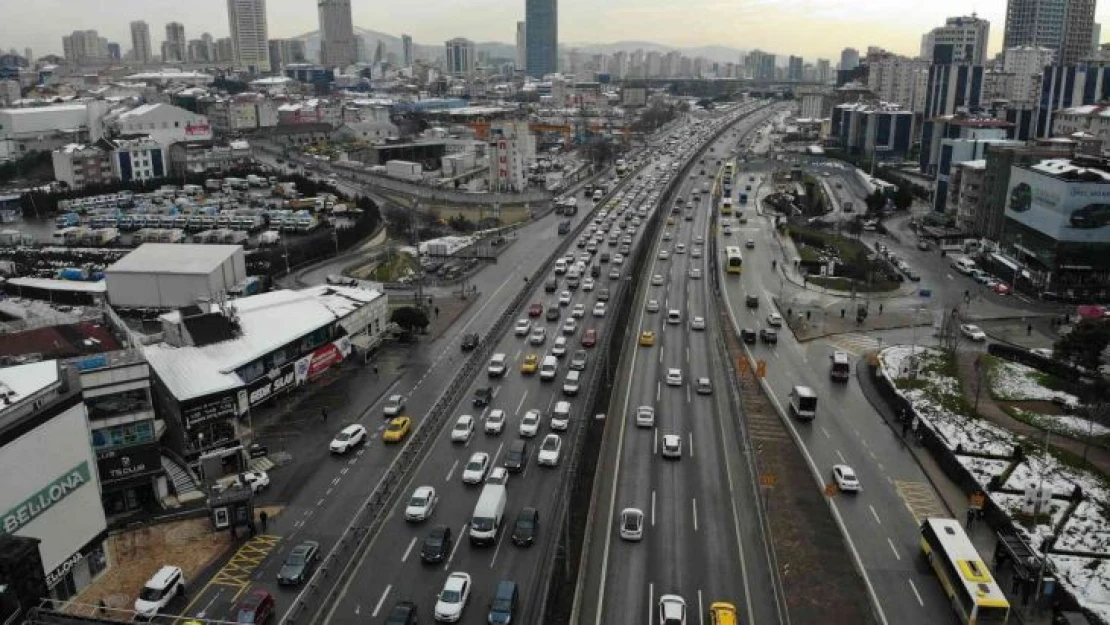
[127, 477]
[78, 570]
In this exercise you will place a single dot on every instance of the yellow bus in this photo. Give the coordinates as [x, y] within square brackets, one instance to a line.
[734, 259]
[964, 576]
[726, 205]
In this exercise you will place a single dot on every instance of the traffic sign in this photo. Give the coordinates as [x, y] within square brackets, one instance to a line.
[768, 480]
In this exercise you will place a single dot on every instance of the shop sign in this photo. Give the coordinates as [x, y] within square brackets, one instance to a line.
[323, 359]
[49, 495]
[115, 464]
[276, 382]
[221, 407]
[59, 573]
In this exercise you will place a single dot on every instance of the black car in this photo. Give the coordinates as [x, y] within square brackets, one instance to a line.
[437, 545]
[299, 564]
[551, 284]
[603, 295]
[752, 301]
[516, 456]
[469, 341]
[768, 335]
[483, 396]
[595, 270]
[748, 335]
[403, 613]
[526, 526]
[553, 313]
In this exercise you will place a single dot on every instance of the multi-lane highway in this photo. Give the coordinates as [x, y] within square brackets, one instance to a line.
[702, 540]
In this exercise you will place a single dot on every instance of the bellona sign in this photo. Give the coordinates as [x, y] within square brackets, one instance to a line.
[38, 503]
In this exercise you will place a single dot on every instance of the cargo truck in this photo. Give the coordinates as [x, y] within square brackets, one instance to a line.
[404, 170]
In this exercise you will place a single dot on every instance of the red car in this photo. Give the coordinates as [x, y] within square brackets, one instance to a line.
[1002, 288]
[589, 338]
[535, 310]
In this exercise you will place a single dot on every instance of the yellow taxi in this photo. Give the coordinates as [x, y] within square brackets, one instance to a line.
[721, 613]
[397, 429]
[530, 364]
[670, 221]
[647, 338]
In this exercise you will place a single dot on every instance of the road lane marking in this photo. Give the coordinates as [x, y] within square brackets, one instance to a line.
[701, 609]
[694, 506]
[825, 432]
[655, 442]
[653, 508]
[455, 547]
[841, 456]
[378, 607]
[409, 550]
[521, 404]
[328, 492]
[875, 514]
[658, 390]
[497, 549]
[451, 471]
[894, 549]
[690, 443]
[660, 354]
[320, 503]
[915, 593]
[651, 602]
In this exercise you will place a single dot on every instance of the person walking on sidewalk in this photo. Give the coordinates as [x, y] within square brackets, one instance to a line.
[324, 414]
[262, 518]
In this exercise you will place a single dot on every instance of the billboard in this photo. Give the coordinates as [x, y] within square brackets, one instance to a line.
[1066, 210]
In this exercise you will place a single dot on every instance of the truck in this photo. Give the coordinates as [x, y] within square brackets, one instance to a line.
[488, 515]
[405, 170]
[256, 181]
[213, 184]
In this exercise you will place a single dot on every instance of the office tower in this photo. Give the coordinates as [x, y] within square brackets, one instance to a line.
[461, 57]
[114, 52]
[794, 68]
[337, 33]
[961, 40]
[174, 48]
[406, 50]
[283, 52]
[849, 59]
[541, 41]
[521, 45]
[379, 52]
[250, 44]
[824, 71]
[82, 46]
[225, 51]
[140, 42]
[1065, 26]
[1096, 38]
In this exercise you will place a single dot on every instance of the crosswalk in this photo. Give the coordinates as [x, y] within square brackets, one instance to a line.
[855, 343]
[921, 500]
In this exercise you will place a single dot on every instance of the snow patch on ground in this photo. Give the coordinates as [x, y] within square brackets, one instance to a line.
[1035, 535]
[1017, 382]
[1088, 579]
[1076, 427]
[1087, 530]
[983, 469]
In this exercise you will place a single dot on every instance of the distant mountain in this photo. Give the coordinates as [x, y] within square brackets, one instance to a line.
[370, 39]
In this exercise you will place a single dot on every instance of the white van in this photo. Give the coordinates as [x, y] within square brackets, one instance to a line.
[163, 586]
[560, 416]
[549, 368]
[803, 403]
[488, 514]
[571, 383]
[561, 266]
[964, 265]
[497, 365]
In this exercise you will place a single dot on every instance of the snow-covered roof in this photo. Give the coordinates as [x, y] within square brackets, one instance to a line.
[169, 74]
[976, 164]
[266, 322]
[37, 110]
[22, 381]
[174, 258]
[272, 80]
[139, 111]
[48, 284]
[1097, 110]
[1061, 166]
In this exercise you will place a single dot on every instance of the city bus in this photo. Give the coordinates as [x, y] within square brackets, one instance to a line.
[726, 205]
[734, 259]
[964, 576]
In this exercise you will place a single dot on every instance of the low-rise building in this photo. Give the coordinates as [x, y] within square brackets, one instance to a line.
[165, 123]
[965, 193]
[79, 165]
[206, 156]
[512, 148]
[1092, 119]
[879, 129]
[163, 276]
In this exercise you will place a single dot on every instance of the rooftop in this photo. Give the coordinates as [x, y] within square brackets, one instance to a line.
[174, 258]
[1068, 169]
[974, 121]
[59, 341]
[21, 381]
[1093, 110]
[32, 110]
[49, 284]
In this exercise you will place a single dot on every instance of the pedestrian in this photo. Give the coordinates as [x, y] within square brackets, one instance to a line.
[262, 518]
[437, 312]
[1029, 330]
[970, 517]
[375, 369]
[324, 414]
[103, 607]
[880, 309]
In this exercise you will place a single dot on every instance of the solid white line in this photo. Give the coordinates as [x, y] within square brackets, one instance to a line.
[875, 514]
[455, 548]
[521, 404]
[451, 471]
[651, 602]
[658, 390]
[690, 443]
[915, 593]
[893, 548]
[653, 508]
[409, 550]
[655, 441]
[841, 456]
[701, 609]
[694, 507]
[378, 607]
[500, 539]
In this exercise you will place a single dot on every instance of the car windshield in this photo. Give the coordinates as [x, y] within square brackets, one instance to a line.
[525, 522]
[295, 558]
[342, 436]
[550, 444]
[418, 500]
[246, 616]
[461, 425]
[150, 594]
[434, 540]
[631, 521]
[531, 417]
[449, 596]
[482, 524]
[474, 465]
[396, 426]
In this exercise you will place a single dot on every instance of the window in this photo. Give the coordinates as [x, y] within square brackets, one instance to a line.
[123, 435]
[118, 403]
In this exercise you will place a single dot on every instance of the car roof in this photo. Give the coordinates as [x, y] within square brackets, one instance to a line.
[351, 429]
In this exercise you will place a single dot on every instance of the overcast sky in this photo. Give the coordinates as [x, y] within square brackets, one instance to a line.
[811, 28]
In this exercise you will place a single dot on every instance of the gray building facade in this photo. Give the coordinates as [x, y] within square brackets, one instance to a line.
[541, 23]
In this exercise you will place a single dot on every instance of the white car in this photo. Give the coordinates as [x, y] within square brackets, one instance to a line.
[549, 450]
[679, 248]
[672, 610]
[570, 326]
[564, 298]
[674, 377]
[453, 598]
[539, 336]
[464, 427]
[530, 424]
[495, 421]
[699, 239]
[523, 326]
[614, 274]
[599, 309]
[657, 280]
[421, 504]
[695, 273]
[653, 306]
[697, 323]
[498, 475]
[845, 478]
[394, 406]
[667, 235]
[973, 332]
[664, 254]
[257, 480]
[674, 317]
[774, 320]
[645, 417]
[632, 524]
[588, 284]
[348, 438]
[579, 311]
[672, 446]
[696, 252]
[618, 259]
[475, 470]
[559, 347]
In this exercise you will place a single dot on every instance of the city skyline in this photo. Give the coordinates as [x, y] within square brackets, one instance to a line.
[809, 28]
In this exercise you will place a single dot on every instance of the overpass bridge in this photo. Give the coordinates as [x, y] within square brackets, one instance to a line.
[713, 87]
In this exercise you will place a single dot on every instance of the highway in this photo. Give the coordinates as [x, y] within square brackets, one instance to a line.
[881, 522]
[702, 540]
[325, 492]
[390, 569]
